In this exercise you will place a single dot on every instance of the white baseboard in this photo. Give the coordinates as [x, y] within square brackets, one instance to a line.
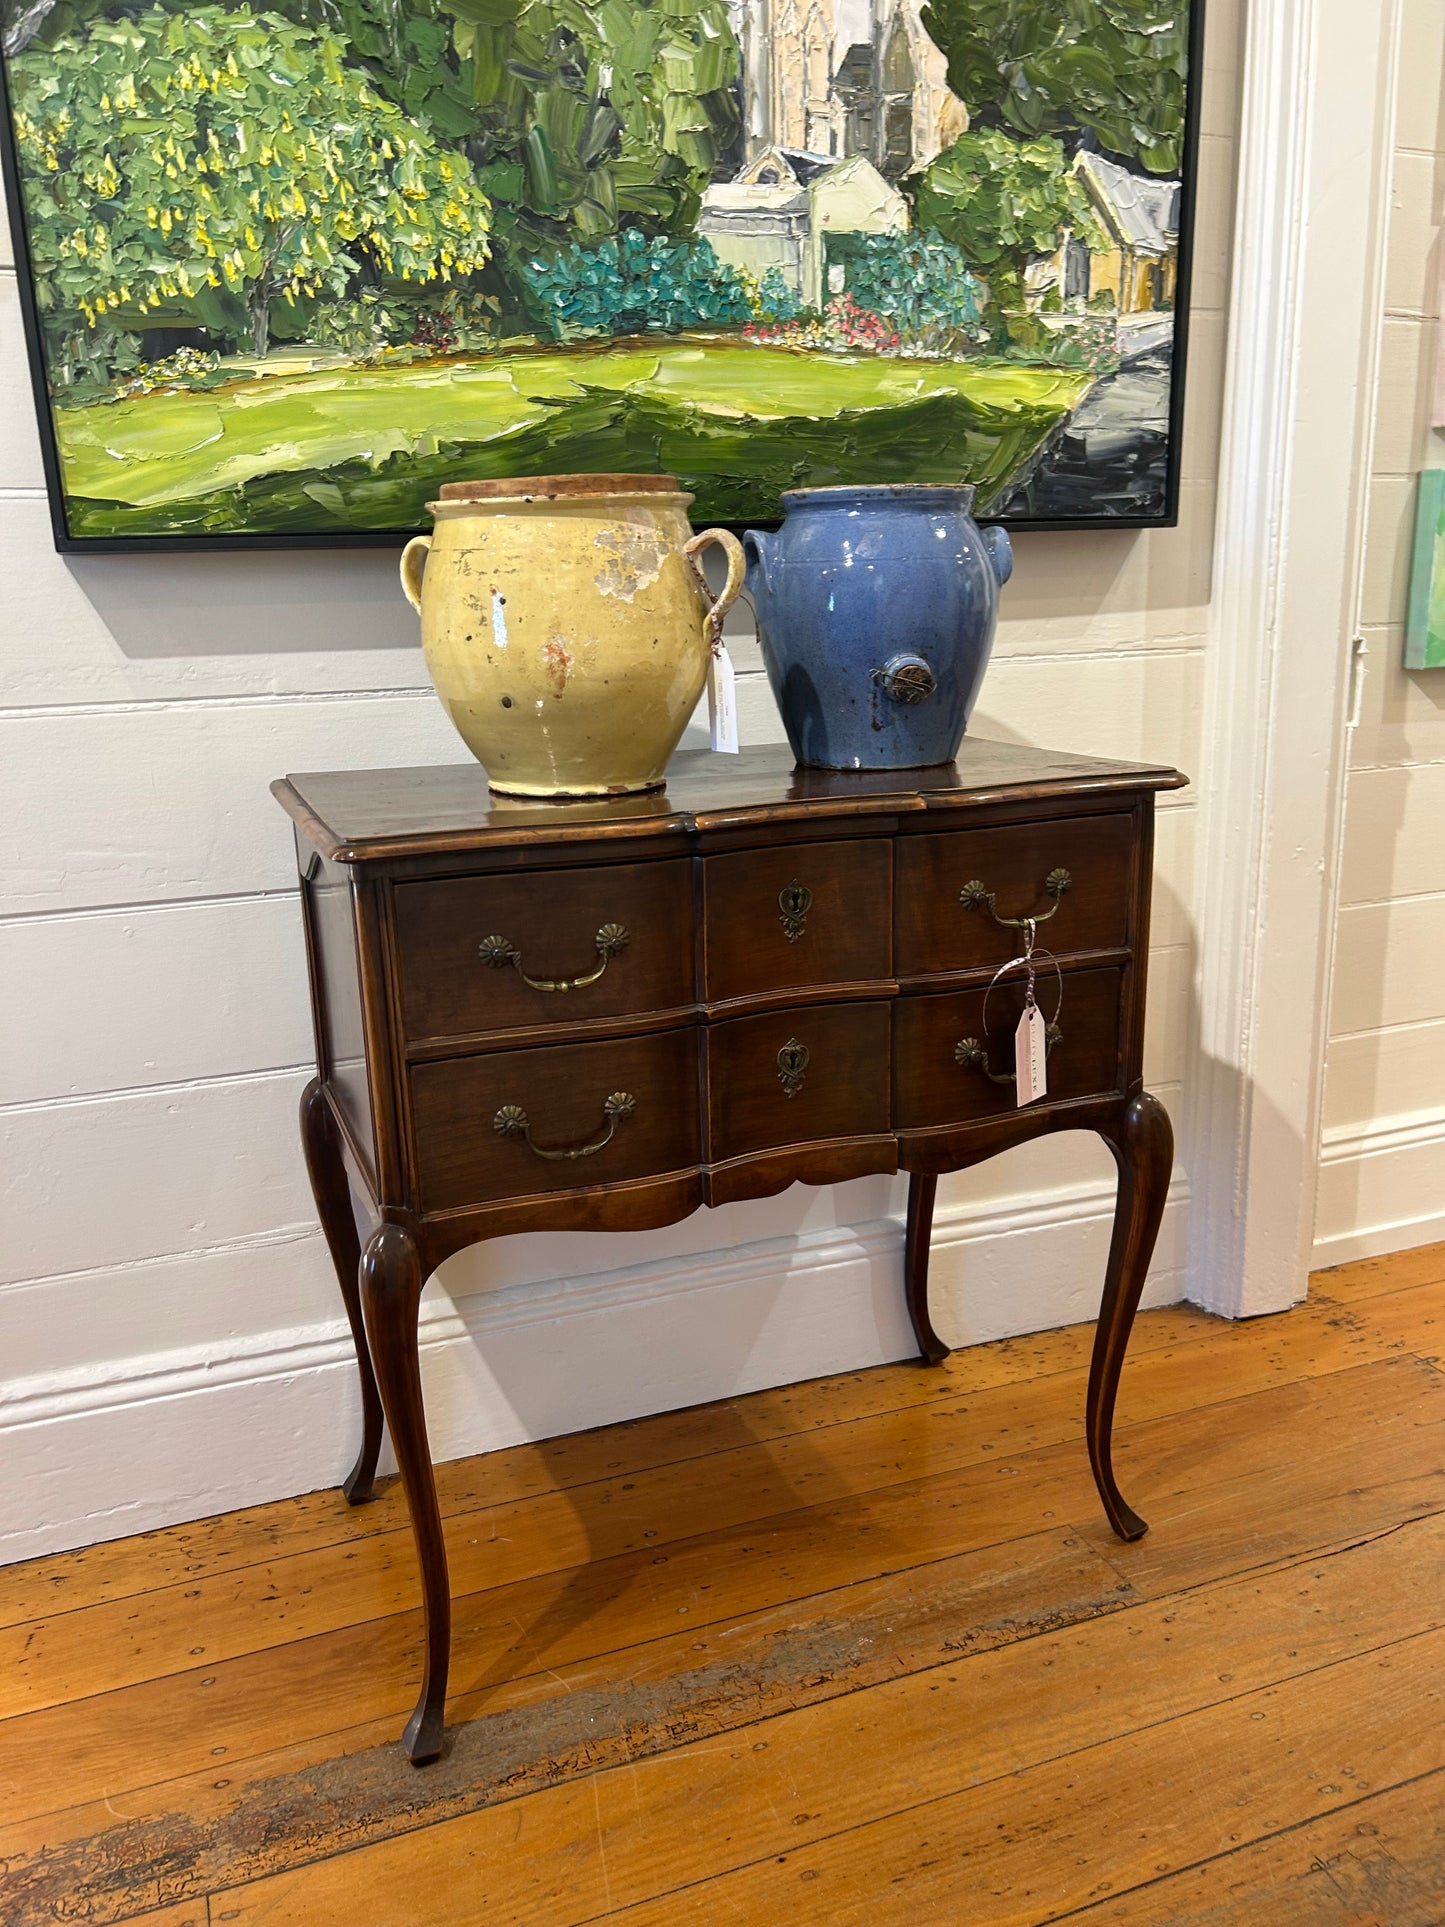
[1381, 1189]
[125, 1447]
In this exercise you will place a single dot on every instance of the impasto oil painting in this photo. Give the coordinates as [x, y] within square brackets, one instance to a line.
[287, 268]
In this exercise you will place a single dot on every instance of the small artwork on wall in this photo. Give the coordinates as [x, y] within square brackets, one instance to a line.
[288, 268]
[1425, 622]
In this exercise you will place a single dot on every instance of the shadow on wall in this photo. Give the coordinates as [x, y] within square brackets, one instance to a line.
[268, 603]
[810, 1280]
[221, 603]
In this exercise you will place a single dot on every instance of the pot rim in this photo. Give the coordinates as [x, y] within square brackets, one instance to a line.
[555, 488]
[912, 493]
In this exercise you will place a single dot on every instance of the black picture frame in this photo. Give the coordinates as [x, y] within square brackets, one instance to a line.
[67, 543]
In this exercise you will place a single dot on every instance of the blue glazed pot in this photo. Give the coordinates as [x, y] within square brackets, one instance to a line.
[876, 613]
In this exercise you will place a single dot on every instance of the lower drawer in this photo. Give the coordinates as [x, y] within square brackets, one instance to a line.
[512, 1123]
[939, 1080]
[794, 1076]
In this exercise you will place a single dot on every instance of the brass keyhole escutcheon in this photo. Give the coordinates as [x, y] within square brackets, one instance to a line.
[792, 1066]
[795, 900]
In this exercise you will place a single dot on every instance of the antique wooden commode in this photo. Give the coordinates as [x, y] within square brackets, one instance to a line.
[600, 1015]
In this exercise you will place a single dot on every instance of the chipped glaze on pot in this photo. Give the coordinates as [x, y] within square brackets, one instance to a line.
[876, 613]
[566, 626]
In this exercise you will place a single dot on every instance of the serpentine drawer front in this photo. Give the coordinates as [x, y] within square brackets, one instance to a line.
[485, 954]
[599, 1016]
[808, 913]
[509, 1123]
[796, 1076]
[950, 1068]
[960, 897]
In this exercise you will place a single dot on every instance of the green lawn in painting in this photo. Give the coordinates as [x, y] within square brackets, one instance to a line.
[1425, 622]
[365, 447]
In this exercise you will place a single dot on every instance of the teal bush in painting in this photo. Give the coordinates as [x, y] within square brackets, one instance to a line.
[917, 283]
[633, 286]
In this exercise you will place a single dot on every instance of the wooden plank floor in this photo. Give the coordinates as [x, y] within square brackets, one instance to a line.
[862, 1649]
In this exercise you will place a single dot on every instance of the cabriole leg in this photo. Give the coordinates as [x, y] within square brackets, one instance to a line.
[333, 1206]
[1142, 1142]
[391, 1284]
[921, 1190]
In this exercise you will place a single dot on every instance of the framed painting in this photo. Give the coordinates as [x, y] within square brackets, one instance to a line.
[1425, 617]
[287, 268]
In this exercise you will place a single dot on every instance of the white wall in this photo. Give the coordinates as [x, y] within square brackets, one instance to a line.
[164, 1292]
[1382, 1179]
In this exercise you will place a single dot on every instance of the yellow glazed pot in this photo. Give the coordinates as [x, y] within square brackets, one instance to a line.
[566, 626]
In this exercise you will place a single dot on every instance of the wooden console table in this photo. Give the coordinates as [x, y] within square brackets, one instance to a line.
[601, 1015]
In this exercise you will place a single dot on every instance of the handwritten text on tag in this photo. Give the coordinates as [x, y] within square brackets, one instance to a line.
[1030, 1054]
[722, 700]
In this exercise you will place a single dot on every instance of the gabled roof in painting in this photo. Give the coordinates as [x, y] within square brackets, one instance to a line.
[792, 166]
[1142, 209]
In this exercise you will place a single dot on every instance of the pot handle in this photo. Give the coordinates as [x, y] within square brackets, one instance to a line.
[413, 567]
[737, 569]
[1000, 551]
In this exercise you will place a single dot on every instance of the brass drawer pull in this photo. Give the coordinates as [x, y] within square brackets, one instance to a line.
[512, 1121]
[497, 952]
[792, 1066]
[968, 1051]
[1057, 884]
[795, 900]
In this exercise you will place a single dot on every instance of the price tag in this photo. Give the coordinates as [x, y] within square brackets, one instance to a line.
[722, 700]
[1030, 1055]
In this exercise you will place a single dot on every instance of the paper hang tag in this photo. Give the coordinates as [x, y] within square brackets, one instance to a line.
[722, 700]
[1030, 1055]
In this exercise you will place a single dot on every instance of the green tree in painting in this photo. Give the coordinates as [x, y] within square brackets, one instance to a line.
[194, 169]
[613, 112]
[1002, 203]
[1115, 69]
[582, 117]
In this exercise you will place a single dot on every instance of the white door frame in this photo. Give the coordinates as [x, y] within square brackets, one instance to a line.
[1317, 122]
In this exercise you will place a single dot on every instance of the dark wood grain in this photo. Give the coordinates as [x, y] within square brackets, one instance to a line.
[839, 933]
[1143, 1147]
[328, 916]
[937, 933]
[551, 919]
[747, 1035]
[918, 1238]
[321, 1144]
[376, 815]
[563, 1088]
[842, 1092]
[930, 1086]
[391, 1282]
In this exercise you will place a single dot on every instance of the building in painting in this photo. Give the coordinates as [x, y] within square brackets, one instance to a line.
[781, 208]
[1138, 264]
[838, 78]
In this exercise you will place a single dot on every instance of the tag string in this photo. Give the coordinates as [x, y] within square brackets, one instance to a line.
[1025, 963]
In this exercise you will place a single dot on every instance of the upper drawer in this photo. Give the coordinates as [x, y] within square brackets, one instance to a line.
[806, 913]
[1074, 875]
[495, 953]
